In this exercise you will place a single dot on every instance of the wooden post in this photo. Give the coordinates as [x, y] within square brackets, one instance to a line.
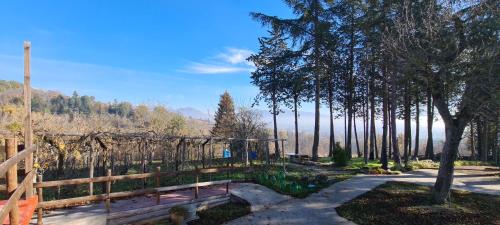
[91, 170]
[196, 189]
[246, 152]
[108, 191]
[11, 151]
[283, 150]
[40, 199]
[211, 154]
[158, 169]
[28, 133]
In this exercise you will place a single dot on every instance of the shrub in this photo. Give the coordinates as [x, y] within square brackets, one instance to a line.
[340, 157]
[321, 179]
[423, 164]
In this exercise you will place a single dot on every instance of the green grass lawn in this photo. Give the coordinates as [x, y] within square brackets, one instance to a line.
[395, 203]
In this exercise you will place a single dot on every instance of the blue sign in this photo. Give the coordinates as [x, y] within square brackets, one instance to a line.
[226, 153]
[253, 155]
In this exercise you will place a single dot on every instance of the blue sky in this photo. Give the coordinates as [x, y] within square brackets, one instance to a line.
[177, 53]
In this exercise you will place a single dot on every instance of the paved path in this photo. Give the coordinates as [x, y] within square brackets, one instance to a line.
[319, 208]
[259, 197]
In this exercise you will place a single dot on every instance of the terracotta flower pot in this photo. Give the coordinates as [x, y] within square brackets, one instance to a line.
[177, 219]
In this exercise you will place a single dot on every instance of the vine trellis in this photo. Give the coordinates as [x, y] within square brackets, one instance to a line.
[68, 155]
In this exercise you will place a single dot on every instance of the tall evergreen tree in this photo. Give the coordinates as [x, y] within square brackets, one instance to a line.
[271, 69]
[310, 29]
[225, 117]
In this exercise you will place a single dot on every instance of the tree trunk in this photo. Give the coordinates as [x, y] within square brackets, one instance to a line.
[383, 153]
[332, 132]
[349, 131]
[472, 144]
[316, 118]
[417, 127]
[390, 130]
[444, 179]
[317, 89]
[373, 140]
[356, 136]
[429, 149]
[395, 145]
[275, 130]
[365, 131]
[407, 125]
[295, 110]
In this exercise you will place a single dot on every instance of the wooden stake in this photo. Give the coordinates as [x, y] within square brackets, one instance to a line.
[91, 170]
[196, 189]
[108, 191]
[11, 151]
[28, 132]
[40, 199]
[158, 169]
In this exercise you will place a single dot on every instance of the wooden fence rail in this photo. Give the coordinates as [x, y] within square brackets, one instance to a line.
[61, 203]
[15, 192]
[76, 181]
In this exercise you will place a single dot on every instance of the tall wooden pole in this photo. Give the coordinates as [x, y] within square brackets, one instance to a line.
[11, 151]
[28, 132]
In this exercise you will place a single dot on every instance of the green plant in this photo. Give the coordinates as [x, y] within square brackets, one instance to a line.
[424, 164]
[340, 157]
[321, 179]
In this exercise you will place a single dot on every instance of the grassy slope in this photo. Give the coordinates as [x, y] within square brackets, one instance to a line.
[404, 203]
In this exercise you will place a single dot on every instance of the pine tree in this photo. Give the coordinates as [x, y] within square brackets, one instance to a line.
[271, 69]
[310, 30]
[225, 117]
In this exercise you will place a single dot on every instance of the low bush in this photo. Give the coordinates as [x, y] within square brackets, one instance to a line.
[423, 164]
[340, 157]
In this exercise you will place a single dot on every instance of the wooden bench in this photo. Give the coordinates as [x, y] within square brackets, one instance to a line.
[160, 190]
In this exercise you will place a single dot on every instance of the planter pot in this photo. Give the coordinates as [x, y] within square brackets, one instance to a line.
[177, 219]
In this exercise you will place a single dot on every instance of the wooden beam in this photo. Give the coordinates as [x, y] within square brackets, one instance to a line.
[83, 200]
[11, 151]
[186, 186]
[40, 199]
[28, 132]
[108, 191]
[16, 159]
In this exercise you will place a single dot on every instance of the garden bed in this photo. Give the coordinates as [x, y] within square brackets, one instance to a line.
[405, 203]
[222, 213]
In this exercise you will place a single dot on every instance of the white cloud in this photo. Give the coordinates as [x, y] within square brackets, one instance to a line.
[203, 68]
[235, 55]
[233, 60]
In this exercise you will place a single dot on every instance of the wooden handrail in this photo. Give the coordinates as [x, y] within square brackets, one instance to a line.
[76, 181]
[78, 200]
[7, 164]
[4, 211]
[186, 186]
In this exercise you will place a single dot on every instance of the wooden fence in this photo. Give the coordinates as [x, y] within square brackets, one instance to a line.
[109, 179]
[15, 192]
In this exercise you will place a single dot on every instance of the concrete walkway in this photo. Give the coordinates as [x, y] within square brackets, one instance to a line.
[319, 208]
[259, 197]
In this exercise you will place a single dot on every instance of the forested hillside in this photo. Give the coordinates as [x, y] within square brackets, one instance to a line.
[56, 112]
